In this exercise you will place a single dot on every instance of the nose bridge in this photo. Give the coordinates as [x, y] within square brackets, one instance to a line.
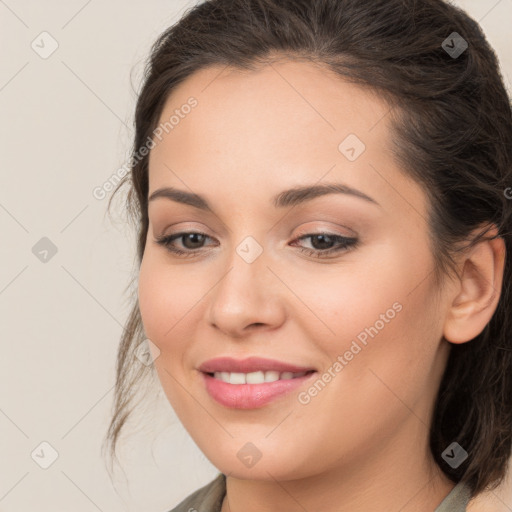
[245, 294]
[247, 276]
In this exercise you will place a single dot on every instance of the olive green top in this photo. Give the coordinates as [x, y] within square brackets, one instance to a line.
[209, 498]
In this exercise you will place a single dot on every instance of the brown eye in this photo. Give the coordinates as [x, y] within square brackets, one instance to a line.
[322, 241]
[191, 241]
[325, 244]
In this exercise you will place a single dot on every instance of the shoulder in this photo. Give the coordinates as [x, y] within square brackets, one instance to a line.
[207, 499]
[457, 500]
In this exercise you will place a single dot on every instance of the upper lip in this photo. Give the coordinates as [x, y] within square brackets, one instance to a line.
[248, 365]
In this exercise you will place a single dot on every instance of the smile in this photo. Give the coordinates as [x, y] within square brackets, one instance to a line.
[251, 390]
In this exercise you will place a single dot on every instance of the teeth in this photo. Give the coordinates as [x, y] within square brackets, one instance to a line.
[255, 377]
[236, 378]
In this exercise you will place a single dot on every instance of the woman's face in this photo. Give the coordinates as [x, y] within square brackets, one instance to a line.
[364, 317]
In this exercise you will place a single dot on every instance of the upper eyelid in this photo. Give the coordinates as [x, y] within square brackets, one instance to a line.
[317, 226]
[331, 230]
[330, 211]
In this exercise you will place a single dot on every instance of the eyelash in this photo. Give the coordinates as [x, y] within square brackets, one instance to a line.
[344, 244]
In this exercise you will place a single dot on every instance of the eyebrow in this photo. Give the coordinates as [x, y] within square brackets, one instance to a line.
[291, 197]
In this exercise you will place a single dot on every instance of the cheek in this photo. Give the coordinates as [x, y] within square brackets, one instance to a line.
[378, 307]
[387, 331]
[168, 300]
[365, 290]
[168, 303]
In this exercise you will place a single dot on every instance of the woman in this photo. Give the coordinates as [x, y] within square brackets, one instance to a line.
[322, 195]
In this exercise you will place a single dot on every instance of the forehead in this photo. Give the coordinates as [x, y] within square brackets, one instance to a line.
[276, 104]
[283, 124]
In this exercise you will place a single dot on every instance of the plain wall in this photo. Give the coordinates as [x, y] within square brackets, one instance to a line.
[66, 127]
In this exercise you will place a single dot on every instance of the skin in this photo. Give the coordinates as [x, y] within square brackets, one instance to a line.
[361, 444]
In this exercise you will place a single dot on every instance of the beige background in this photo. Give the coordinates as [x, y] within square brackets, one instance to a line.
[65, 129]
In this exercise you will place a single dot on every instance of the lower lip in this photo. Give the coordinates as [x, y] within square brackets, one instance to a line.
[251, 396]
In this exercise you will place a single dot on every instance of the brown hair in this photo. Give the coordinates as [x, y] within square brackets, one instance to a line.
[452, 134]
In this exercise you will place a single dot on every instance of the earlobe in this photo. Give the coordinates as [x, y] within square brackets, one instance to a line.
[478, 290]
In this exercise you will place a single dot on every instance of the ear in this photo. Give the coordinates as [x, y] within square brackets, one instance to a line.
[477, 291]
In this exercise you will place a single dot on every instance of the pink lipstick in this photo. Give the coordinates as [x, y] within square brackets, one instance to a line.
[253, 382]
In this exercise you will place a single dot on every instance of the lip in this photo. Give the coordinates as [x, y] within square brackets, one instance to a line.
[250, 396]
[250, 364]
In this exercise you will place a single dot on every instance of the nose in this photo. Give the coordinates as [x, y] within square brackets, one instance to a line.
[247, 297]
